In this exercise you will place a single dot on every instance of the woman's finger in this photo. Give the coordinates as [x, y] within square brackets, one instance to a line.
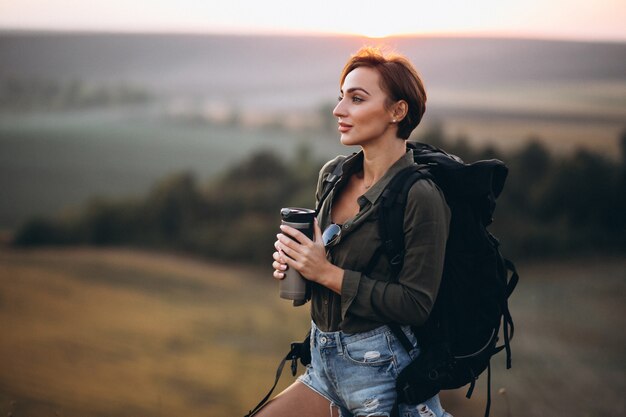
[279, 251]
[285, 241]
[292, 257]
[279, 266]
[294, 233]
[278, 256]
[279, 275]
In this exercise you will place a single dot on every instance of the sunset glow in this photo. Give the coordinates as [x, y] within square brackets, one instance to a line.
[602, 19]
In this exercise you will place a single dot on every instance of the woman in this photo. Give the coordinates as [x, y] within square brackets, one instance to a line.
[355, 357]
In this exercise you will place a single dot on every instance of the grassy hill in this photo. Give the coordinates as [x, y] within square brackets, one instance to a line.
[112, 333]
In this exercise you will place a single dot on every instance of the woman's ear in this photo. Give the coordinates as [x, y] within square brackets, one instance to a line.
[399, 110]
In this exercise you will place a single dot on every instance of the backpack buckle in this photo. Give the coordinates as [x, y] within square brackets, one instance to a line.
[409, 394]
[294, 355]
[397, 260]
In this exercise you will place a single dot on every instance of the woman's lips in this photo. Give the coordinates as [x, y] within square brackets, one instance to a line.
[344, 127]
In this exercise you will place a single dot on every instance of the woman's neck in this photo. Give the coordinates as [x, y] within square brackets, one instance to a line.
[379, 157]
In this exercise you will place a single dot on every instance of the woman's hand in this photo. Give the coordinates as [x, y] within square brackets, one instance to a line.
[306, 256]
[279, 264]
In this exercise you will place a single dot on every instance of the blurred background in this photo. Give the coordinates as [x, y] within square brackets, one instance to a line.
[146, 149]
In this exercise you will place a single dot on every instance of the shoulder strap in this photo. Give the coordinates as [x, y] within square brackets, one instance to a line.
[297, 351]
[508, 326]
[391, 215]
[391, 229]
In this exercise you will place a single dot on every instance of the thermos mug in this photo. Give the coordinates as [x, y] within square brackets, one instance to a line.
[294, 286]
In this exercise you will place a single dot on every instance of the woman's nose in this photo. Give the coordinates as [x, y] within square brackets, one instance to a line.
[339, 110]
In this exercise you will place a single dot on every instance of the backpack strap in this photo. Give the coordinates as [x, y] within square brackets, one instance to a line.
[391, 230]
[391, 215]
[508, 326]
[299, 350]
[488, 404]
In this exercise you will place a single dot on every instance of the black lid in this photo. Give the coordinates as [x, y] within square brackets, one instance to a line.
[297, 214]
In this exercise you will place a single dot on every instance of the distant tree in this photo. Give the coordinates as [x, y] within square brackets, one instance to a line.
[534, 160]
[174, 205]
[584, 194]
[530, 170]
[42, 232]
[104, 222]
[261, 165]
[433, 135]
[489, 152]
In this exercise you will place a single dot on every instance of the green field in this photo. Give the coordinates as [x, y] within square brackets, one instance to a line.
[117, 332]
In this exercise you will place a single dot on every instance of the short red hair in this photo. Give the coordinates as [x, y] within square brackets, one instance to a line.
[399, 79]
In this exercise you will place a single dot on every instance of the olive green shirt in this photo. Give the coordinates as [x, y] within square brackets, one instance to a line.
[366, 302]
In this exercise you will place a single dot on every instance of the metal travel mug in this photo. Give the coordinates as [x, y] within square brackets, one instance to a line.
[294, 286]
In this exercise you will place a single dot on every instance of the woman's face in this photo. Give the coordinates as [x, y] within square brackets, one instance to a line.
[361, 110]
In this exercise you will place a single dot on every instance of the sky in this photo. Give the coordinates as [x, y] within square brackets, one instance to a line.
[554, 19]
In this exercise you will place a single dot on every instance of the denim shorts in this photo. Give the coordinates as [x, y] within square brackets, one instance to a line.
[357, 372]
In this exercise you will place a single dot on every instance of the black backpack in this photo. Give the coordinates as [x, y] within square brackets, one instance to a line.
[461, 334]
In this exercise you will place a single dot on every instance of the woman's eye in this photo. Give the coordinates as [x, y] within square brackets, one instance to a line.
[355, 99]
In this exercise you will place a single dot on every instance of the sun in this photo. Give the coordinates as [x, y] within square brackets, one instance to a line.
[372, 31]
[377, 33]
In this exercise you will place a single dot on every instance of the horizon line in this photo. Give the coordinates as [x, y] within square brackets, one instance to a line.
[318, 34]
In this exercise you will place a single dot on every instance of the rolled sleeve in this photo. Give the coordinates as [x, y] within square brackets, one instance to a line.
[349, 289]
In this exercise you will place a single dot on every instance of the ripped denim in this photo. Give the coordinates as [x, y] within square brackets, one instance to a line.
[357, 373]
